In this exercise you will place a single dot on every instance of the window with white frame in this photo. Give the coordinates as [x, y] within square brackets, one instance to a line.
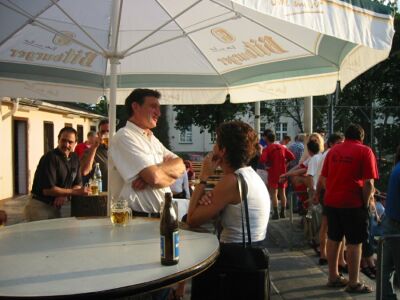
[280, 131]
[186, 136]
[213, 137]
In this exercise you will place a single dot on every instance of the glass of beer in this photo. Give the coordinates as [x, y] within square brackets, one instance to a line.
[94, 187]
[105, 139]
[121, 214]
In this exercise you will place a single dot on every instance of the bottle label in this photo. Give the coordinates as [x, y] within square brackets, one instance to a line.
[175, 238]
[175, 246]
[100, 184]
[162, 244]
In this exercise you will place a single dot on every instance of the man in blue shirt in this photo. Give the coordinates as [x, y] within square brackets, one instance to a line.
[391, 225]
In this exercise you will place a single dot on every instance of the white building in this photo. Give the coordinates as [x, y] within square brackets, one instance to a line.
[193, 141]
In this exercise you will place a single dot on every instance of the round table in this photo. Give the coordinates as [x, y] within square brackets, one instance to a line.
[92, 258]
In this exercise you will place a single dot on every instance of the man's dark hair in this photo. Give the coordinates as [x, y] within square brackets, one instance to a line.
[287, 138]
[271, 137]
[354, 132]
[266, 131]
[138, 96]
[313, 147]
[334, 138]
[68, 130]
[102, 122]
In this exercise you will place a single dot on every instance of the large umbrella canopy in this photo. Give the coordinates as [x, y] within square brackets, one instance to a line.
[193, 51]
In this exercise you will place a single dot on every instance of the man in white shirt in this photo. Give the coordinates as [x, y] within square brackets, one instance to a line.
[147, 168]
[180, 188]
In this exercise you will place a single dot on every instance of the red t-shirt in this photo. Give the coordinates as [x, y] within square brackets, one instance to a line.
[346, 167]
[276, 156]
[80, 149]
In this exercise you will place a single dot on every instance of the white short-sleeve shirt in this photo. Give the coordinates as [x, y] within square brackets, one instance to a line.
[133, 150]
[312, 169]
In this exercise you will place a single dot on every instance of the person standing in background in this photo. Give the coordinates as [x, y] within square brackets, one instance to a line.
[348, 174]
[286, 140]
[391, 225]
[180, 188]
[275, 157]
[98, 153]
[82, 147]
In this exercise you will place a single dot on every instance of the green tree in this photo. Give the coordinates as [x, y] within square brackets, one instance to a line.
[162, 129]
[373, 101]
[208, 117]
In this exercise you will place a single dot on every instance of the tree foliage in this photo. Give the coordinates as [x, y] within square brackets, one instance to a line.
[208, 117]
[373, 100]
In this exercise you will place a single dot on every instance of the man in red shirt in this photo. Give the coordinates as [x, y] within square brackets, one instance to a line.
[349, 171]
[276, 157]
[81, 147]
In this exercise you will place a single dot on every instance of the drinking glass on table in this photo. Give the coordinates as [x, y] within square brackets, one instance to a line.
[121, 214]
[94, 187]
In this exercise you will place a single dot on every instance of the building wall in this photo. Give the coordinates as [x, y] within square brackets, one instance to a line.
[35, 141]
[201, 142]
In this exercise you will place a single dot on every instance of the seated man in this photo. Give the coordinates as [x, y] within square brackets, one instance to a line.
[57, 177]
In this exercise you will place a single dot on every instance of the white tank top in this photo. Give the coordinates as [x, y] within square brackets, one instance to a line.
[259, 208]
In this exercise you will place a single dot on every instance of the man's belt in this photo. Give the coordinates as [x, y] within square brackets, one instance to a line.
[145, 214]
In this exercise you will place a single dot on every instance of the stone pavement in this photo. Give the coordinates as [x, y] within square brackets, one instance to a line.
[295, 272]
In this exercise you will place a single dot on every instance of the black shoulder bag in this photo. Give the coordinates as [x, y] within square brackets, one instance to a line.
[241, 270]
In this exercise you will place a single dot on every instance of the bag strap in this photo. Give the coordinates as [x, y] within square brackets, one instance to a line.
[243, 200]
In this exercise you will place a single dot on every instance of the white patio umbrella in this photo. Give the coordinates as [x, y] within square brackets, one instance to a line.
[193, 51]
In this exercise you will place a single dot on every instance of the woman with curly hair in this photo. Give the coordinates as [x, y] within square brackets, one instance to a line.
[236, 145]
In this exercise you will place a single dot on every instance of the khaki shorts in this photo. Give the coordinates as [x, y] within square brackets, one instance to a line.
[36, 210]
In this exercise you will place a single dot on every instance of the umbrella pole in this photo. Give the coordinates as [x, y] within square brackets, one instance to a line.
[308, 114]
[114, 61]
[112, 116]
[257, 118]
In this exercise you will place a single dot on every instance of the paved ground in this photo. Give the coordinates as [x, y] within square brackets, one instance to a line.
[295, 271]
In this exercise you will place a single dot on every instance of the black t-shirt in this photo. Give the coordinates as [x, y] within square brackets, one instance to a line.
[54, 169]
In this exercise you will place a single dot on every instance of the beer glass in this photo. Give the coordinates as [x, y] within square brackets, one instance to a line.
[105, 139]
[120, 212]
[94, 187]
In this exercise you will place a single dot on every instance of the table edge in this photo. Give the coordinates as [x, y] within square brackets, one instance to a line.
[134, 289]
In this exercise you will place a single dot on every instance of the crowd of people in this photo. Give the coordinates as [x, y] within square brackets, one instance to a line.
[338, 174]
